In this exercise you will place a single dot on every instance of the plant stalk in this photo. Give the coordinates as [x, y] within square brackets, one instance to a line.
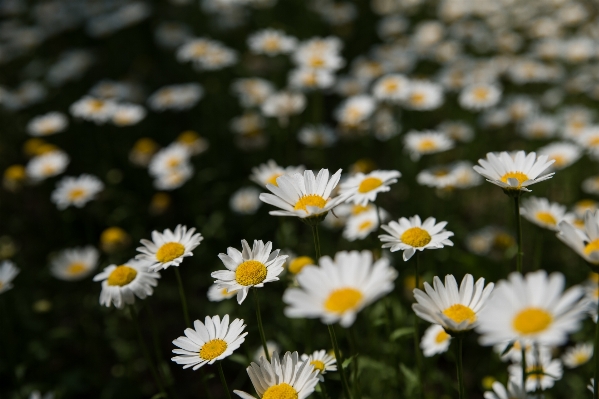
[260, 327]
[519, 232]
[183, 300]
[223, 380]
[339, 361]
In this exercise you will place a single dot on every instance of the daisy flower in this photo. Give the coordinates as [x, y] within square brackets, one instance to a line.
[355, 110]
[245, 201]
[584, 241]
[252, 92]
[128, 114]
[207, 342]
[303, 196]
[194, 143]
[544, 213]
[176, 97]
[272, 347]
[174, 178]
[514, 174]
[531, 309]
[410, 235]
[75, 263]
[142, 152]
[538, 127]
[113, 239]
[267, 173]
[393, 87]
[590, 185]
[282, 105]
[45, 125]
[359, 226]
[426, 142]
[480, 96]
[318, 136]
[216, 294]
[435, 341]
[456, 175]
[121, 284]
[340, 288]
[287, 378]
[424, 96]
[563, 153]
[577, 355]
[93, 109]
[170, 158]
[297, 264]
[169, 248]
[513, 391]
[47, 165]
[541, 371]
[271, 42]
[250, 268]
[454, 309]
[322, 362]
[361, 188]
[311, 79]
[8, 271]
[76, 191]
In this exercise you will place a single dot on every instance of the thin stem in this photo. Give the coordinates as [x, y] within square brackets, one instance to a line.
[519, 232]
[460, 369]
[417, 333]
[260, 327]
[378, 215]
[182, 296]
[222, 379]
[524, 371]
[356, 368]
[145, 351]
[316, 241]
[339, 361]
[596, 354]
[323, 390]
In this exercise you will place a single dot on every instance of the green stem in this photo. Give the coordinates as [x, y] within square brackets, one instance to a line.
[519, 232]
[182, 296]
[524, 367]
[339, 361]
[356, 368]
[222, 379]
[417, 332]
[323, 390]
[596, 354]
[260, 327]
[145, 351]
[460, 369]
[316, 241]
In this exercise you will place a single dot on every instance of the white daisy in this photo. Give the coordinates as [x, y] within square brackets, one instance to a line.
[435, 341]
[250, 268]
[355, 110]
[169, 248]
[245, 201]
[272, 347]
[577, 355]
[456, 175]
[310, 79]
[8, 271]
[76, 191]
[426, 142]
[457, 130]
[544, 213]
[50, 123]
[531, 309]
[590, 185]
[267, 173]
[424, 95]
[322, 362]
[340, 288]
[93, 109]
[318, 136]
[479, 96]
[514, 173]
[541, 371]
[128, 114]
[359, 226]
[393, 88]
[289, 378]
[513, 391]
[282, 105]
[271, 42]
[538, 127]
[454, 309]
[410, 235]
[194, 143]
[75, 263]
[361, 188]
[252, 92]
[563, 153]
[121, 284]
[169, 159]
[209, 341]
[303, 196]
[176, 97]
[47, 165]
[174, 178]
[217, 294]
[584, 241]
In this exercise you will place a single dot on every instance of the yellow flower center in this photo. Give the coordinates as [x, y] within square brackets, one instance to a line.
[250, 272]
[15, 172]
[441, 172]
[76, 268]
[417, 98]
[122, 275]
[593, 142]
[365, 225]
[503, 241]
[298, 264]
[581, 358]
[591, 247]
[113, 235]
[460, 313]
[357, 209]
[169, 251]
[318, 365]
[521, 177]
[532, 320]
[48, 170]
[188, 137]
[310, 200]
[316, 62]
[213, 349]
[271, 44]
[390, 85]
[76, 193]
[173, 162]
[441, 337]
[535, 372]
[96, 105]
[342, 300]
[546, 218]
[480, 93]
[560, 160]
[426, 145]
[280, 391]
[273, 179]
[145, 146]
[369, 184]
[415, 237]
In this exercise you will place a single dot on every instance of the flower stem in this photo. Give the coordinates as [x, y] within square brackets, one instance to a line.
[417, 332]
[524, 367]
[260, 327]
[339, 361]
[223, 380]
[316, 241]
[596, 354]
[145, 351]
[323, 390]
[460, 369]
[519, 232]
[356, 367]
[182, 296]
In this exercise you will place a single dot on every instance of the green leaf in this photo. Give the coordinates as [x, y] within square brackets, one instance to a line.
[401, 332]
[410, 376]
[507, 348]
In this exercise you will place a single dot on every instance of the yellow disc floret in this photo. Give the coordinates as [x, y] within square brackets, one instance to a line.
[122, 275]
[415, 237]
[342, 300]
[369, 184]
[273, 179]
[460, 313]
[250, 272]
[213, 349]
[441, 337]
[547, 218]
[280, 391]
[426, 145]
[365, 225]
[76, 268]
[76, 193]
[532, 321]
[591, 247]
[298, 264]
[169, 251]
[521, 177]
[318, 365]
[310, 200]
